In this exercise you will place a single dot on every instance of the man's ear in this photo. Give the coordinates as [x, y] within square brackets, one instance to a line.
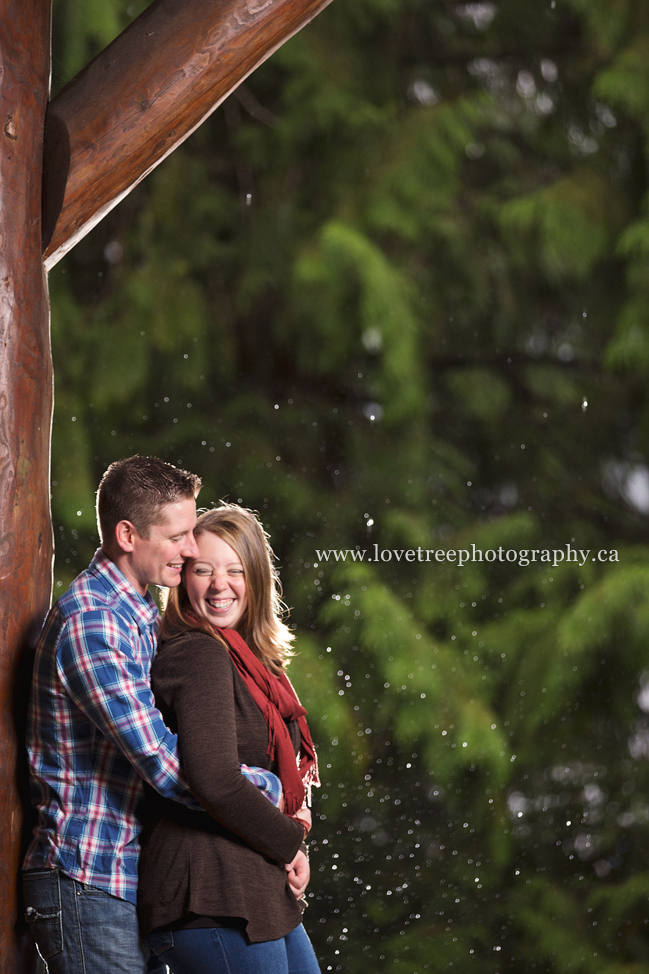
[125, 534]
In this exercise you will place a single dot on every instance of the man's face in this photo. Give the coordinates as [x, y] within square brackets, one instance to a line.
[158, 559]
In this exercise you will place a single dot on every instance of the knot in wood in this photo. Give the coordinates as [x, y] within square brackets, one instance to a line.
[10, 128]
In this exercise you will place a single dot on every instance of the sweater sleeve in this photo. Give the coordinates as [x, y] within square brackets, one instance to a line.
[195, 677]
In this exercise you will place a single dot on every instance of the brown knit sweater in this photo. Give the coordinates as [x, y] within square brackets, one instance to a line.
[230, 862]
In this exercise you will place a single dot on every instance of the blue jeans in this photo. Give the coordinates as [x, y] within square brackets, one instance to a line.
[226, 950]
[81, 929]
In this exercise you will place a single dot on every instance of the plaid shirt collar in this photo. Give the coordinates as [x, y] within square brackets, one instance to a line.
[106, 571]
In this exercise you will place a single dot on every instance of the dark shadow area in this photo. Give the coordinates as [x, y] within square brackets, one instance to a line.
[56, 166]
[22, 678]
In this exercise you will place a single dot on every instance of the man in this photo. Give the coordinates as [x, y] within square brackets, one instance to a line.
[94, 732]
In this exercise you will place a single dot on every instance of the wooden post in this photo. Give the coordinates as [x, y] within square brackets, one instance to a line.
[25, 412]
[144, 95]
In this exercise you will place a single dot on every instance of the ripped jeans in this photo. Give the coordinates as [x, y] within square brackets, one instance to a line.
[80, 929]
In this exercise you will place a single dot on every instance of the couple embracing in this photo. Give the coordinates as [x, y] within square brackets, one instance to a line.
[172, 778]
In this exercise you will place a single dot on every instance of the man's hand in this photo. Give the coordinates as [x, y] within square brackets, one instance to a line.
[299, 873]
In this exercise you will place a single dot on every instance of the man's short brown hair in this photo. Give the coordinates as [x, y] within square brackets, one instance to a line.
[135, 489]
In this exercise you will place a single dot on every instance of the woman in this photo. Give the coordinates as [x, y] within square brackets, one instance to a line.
[220, 890]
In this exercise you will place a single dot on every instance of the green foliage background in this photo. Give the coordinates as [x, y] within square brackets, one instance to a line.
[395, 291]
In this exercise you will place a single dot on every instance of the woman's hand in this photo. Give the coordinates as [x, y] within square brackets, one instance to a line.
[299, 873]
[303, 815]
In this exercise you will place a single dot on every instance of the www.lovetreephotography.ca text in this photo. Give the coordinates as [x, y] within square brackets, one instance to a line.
[462, 556]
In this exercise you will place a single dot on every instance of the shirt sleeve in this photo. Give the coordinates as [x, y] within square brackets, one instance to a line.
[97, 668]
[195, 678]
[267, 782]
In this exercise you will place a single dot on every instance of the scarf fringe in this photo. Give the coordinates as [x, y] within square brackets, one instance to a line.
[310, 781]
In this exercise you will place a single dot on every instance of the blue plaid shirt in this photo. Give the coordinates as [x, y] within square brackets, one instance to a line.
[94, 732]
[267, 782]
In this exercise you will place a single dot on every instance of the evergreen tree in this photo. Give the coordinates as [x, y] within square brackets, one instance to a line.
[394, 293]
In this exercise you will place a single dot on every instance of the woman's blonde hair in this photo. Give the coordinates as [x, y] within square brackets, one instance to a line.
[261, 625]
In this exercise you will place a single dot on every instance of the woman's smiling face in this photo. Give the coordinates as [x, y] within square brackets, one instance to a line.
[216, 583]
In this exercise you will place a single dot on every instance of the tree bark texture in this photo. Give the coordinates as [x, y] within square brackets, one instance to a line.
[25, 423]
[144, 95]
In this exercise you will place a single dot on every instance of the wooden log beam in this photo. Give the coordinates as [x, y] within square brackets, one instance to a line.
[25, 418]
[144, 95]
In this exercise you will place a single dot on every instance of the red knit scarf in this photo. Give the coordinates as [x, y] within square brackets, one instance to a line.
[278, 702]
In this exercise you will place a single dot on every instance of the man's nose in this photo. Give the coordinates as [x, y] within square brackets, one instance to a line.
[190, 548]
